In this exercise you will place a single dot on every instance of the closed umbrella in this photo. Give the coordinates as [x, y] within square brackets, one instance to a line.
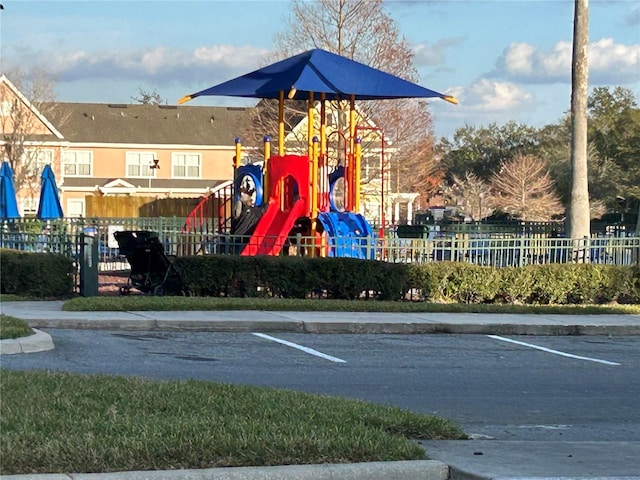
[49, 207]
[8, 205]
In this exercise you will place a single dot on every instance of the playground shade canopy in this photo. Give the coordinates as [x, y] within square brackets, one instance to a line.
[8, 205]
[49, 207]
[320, 72]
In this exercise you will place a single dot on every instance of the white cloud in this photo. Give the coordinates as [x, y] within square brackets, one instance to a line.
[161, 65]
[430, 55]
[607, 57]
[609, 63]
[518, 59]
[486, 95]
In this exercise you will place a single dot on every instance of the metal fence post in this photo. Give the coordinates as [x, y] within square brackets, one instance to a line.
[88, 265]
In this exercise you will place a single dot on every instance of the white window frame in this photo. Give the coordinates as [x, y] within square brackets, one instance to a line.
[29, 205]
[181, 160]
[73, 158]
[72, 210]
[142, 161]
[36, 159]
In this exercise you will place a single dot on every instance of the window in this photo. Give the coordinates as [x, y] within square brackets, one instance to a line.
[185, 165]
[35, 159]
[139, 164]
[370, 166]
[78, 164]
[5, 108]
[29, 205]
[75, 207]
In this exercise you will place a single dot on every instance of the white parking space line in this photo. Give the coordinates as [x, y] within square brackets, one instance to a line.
[308, 350]
[548, 350]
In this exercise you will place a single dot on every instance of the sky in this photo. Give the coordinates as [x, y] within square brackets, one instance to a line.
[507, 60]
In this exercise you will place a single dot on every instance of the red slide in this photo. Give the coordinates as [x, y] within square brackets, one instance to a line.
[273, 228]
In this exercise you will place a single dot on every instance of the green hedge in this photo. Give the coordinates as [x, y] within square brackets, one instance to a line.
[292, 277]
[45, 275]
[349, 278]
[39, 275]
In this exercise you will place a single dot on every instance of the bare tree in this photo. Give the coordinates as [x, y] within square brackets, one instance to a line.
[578, 219]
[523, 188]
[149, 98]
[362, 31]
[23, 132]
[420, 170]
[472, 196]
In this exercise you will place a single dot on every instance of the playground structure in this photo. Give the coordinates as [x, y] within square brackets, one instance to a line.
[270, 202]
[292, 194]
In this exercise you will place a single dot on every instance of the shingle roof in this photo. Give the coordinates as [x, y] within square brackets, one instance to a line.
[146, 124]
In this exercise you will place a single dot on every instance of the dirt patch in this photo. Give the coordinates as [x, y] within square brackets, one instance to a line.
[109, 284]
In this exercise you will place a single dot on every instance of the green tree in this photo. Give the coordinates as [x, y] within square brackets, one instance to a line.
[614, 132]
[483, 150]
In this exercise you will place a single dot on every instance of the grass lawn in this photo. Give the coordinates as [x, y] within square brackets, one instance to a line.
[11, 327]
[66, 423]
[144, 302]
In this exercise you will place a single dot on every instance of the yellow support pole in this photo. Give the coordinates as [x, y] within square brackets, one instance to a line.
[281, 123]
[310, 129]
[310, 154]
[237, 160]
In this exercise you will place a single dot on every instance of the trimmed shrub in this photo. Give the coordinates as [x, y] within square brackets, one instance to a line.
[40, 275]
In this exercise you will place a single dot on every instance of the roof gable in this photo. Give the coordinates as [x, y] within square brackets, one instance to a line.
[27, 104]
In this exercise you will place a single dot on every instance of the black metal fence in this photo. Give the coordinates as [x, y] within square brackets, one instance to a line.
[482, 247]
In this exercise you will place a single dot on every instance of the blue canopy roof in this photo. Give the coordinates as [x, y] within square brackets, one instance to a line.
[49, 206]
[8, 205]
[319, 71]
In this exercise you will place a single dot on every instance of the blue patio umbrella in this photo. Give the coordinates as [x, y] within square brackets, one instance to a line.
[49, 206]
[8, 205]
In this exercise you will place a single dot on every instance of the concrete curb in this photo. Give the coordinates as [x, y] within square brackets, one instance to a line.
[333, 327]
[402, 470]
[38, 342]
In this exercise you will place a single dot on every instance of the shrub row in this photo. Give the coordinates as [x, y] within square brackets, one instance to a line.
[348, 278]
[291, 277]
[39, 275]
[532, 284]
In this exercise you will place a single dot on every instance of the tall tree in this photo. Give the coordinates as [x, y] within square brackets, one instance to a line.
[483, 150]
[524, 189]
[614, 132]
[578, 220]
[360, 30]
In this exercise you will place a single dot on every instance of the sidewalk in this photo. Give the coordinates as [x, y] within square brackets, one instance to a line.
[455, 460]
[50, 315]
